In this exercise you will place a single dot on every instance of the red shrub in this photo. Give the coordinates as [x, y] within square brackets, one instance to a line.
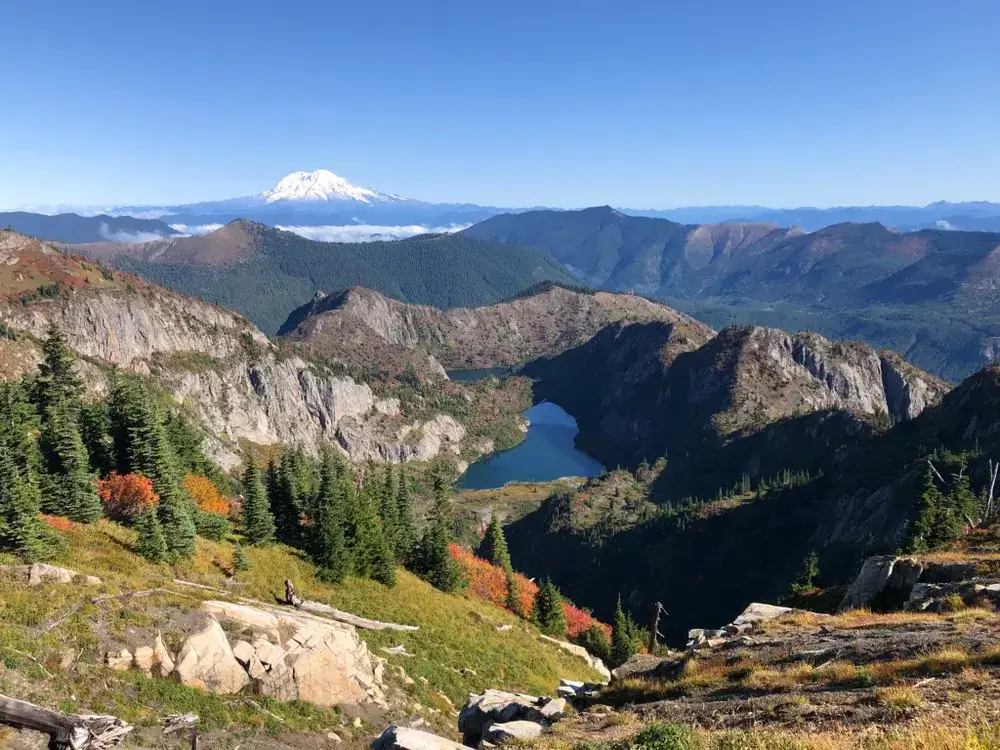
[126, 496]
[58, 522]
[205, 495]
[489, 582]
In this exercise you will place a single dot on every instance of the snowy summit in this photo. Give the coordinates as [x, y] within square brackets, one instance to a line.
[322, 185]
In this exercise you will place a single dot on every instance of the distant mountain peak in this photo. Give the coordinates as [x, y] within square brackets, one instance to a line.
[323, 185]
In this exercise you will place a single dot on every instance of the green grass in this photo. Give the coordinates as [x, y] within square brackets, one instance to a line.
[456, 633]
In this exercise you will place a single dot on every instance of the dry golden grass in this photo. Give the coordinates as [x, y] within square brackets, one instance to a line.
[864, 618]
[899, 697]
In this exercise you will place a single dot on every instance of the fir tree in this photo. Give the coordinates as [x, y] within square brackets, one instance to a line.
[384, 563]
[328, 544]
[547, 612]
[624, 636]
[389, 510]
[258, 522]
[806, 579]
[151, 543]
[406, 531]
[494, 545]
[176, 519]
[922, 532]
[435, 562]
[279, 482]
[57, 381]
[68, 484]
[513, 601]
[21, 530]
[372, 554]
[240, 560]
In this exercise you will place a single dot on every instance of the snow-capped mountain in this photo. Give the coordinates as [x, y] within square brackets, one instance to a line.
[323, 185]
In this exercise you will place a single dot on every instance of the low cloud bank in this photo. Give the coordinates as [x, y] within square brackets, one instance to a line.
[126, 236]
[368, 232]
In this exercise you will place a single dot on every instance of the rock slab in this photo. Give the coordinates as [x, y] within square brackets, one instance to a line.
[404, 738]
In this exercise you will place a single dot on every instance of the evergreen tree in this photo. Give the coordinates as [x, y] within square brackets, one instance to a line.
[624, 636]
[258, 522]
[389, 510]
[151, 543]
[95, 429]
[406, 531]
[547, 612]
[922, 532]
[435, 562]
[240, 560]
[68, 484]
[596, 641]
[513, 601]
[279, 482]
[21, 530]
[328, 544]
[494, 545]
[57, 381]
[806, 579]
[384, 563]
[141, 447]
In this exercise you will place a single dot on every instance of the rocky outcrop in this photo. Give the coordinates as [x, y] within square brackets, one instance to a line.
[38, 574]
[890, 582]
[206, 661]
[498, 707]
[298, 656]
[404, 738]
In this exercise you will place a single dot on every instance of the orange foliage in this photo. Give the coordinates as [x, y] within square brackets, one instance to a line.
[126, 496]
[58, 522]
[489, 582]
[205, 495]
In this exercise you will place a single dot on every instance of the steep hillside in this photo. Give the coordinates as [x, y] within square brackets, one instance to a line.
[926, 293]
[240, 387]
[360, 325]
[748, 401]
[266, 273]
[707, 556]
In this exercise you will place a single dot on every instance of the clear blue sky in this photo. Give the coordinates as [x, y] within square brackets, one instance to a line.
[513, 103]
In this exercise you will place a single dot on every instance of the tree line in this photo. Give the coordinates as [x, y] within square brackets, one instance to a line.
[131, 457]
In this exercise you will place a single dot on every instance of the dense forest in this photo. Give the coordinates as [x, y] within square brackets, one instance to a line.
[285, 270]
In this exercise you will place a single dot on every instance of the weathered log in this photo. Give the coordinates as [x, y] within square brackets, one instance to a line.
[347, 617]
[77, 732]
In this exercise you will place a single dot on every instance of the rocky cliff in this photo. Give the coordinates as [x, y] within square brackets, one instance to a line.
[238, 384]
[728, 404]
[360, 325]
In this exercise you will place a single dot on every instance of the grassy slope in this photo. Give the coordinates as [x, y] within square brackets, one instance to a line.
[456, 632]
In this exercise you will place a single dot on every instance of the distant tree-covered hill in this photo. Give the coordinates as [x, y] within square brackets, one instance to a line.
[930, 294]
[266, 273]
[75, 228]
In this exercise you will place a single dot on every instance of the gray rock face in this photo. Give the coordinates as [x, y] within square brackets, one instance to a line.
[496, 706]
[871, 581]
[500, 733]
[206, 661]
[405, 738]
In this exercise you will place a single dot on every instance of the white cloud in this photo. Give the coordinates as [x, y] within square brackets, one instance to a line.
[368, 232]
[123, 236]
[188, 229]
[945, 224]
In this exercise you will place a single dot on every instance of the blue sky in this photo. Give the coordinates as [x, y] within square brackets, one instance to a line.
[638, 104]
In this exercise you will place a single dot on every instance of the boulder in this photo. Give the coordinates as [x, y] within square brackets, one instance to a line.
[645, 666]
[592, 661]
[206, 661]
[40, 573]
[554, 710]
[23, 739]
[164, 662]
[243, 652]
[119, 661]
[953, 572]
[404, 738]
[144, 659]
[500, 733]
[871, 581]
[753, 614]
[495, 706]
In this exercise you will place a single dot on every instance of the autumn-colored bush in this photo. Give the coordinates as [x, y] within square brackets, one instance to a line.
[59, 523]
[205, 495]
[489, 582]
[125, 496]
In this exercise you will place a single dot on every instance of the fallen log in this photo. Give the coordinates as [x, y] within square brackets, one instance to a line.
[347, 617]
[75, 731]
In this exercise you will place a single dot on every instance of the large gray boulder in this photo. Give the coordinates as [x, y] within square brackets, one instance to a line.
[871, 581]
[404, 738]
[496, 706]
[500, 733]
[206, 661]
